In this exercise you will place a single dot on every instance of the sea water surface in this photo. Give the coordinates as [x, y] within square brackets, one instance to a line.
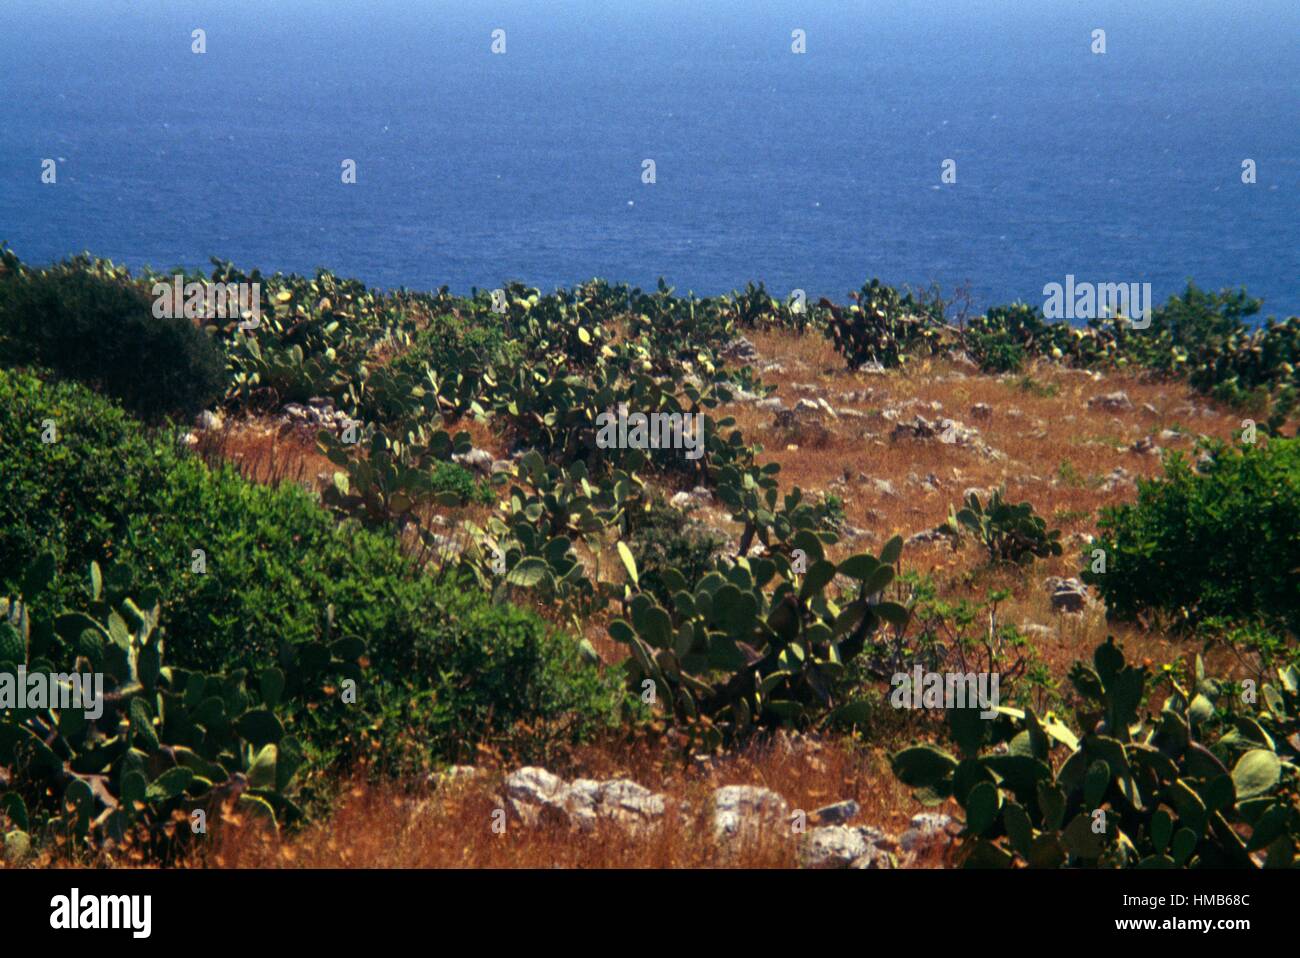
[812, 170]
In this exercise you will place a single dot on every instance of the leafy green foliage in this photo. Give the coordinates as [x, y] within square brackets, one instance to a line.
[91, 325]
[1200, 335]
[662, 537]
[995, 353]
[452, 481]
[72, 496]
[1218, 539]
[279, 577]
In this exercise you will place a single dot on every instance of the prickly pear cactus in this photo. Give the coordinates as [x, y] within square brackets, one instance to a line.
[1202, 783]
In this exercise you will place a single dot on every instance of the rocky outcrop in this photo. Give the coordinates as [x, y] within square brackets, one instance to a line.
[949, 432]
[841, 846]
[1068, 595]
[318, 414]
[1111, 402]
[743, 810]
[740, 814]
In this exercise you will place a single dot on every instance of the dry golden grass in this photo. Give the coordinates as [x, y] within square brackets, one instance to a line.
[264, 452]
[389, 826]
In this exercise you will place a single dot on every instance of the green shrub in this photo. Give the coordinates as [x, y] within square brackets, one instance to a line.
[663, 537]
[73, 495]
[530, 683]
[101, 331]
[1221, 539]
[450, 343]
[454, 479]
[277, 572]
[995, 353]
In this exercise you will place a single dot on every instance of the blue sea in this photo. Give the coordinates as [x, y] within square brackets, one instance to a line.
[812, 170]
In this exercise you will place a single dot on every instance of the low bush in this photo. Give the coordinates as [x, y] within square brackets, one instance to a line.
[663, 537]
[995, 353]
[275, 572]
[73, 493]
[1221, 538]
[100, 330]
[453, 479]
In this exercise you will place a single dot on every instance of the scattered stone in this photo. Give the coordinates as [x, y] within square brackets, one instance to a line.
[699, 496]
[479, 460]
[931, 482]
[536, 795]
[833, 846]
[740, 394]
[927, 830]
[741, 350]
[1146, 446]
[1111, 402]
[207, 420]
[318, 414]
[771, 404]
[884, 487]
[1068, 595]
[1036, 631]
[928, 536]
[741, 809]
[950, 432]
[981, 411]
[1118, 478]
[851, 534]
[806, 421]
[838, 813]
[621, 801]
[502, 465]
